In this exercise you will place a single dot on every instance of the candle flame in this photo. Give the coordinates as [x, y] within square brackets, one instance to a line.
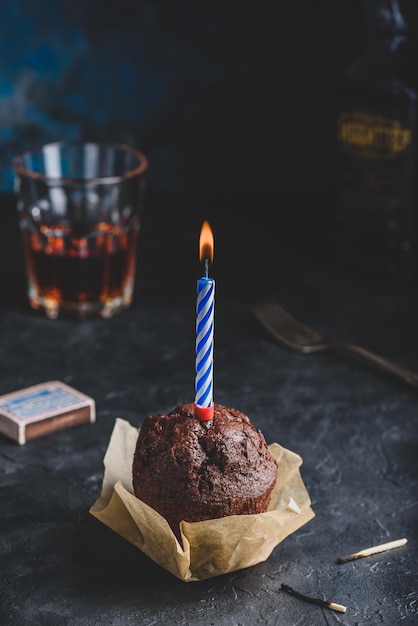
[206, 244]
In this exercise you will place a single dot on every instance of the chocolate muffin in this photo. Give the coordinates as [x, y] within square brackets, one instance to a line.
[191, 470]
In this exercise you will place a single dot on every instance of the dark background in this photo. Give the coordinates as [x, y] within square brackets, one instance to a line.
[230, 96]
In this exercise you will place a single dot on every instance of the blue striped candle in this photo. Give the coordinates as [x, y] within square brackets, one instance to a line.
[204, 331]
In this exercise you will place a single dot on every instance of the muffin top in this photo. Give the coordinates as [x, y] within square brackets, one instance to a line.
[179, 456]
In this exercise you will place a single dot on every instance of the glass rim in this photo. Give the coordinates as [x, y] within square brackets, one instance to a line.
[19, 168]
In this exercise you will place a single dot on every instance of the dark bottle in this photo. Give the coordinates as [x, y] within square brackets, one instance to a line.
[376, 150]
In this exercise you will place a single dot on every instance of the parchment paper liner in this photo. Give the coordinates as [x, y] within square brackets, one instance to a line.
[212, 547]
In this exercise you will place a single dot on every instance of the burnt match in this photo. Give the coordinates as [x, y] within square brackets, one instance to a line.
[373, 550]
[324, 603]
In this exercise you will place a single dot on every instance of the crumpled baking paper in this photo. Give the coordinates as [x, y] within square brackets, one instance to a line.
[211, 547]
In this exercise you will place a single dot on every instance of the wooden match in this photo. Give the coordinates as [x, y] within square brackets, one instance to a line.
[324, 603]
[373, 550]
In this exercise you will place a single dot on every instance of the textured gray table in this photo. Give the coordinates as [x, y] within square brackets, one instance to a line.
[355, 428]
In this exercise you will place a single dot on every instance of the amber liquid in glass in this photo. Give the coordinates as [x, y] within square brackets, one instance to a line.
[79, 272]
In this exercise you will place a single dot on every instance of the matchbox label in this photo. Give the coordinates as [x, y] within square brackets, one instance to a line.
[26, 405]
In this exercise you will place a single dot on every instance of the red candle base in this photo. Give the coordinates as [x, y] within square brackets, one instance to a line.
[204, 413]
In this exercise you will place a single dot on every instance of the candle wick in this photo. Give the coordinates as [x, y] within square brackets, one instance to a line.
[206, 268]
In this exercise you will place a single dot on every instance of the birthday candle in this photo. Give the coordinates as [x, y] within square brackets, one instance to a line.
[204, 330]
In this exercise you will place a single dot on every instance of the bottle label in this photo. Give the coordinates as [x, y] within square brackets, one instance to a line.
[369, 136]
